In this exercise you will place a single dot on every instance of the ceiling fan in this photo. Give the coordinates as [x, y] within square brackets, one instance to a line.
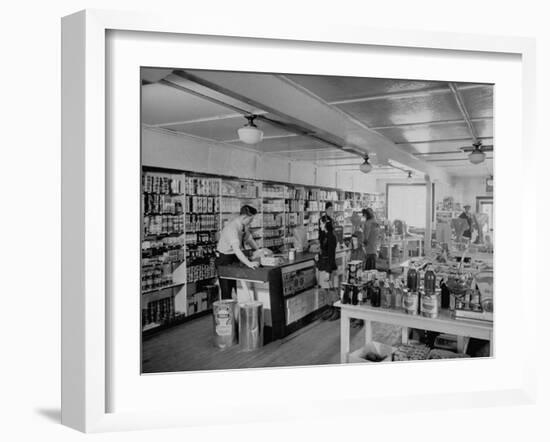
[477, 152]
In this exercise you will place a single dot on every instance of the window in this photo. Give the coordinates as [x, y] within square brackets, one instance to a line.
[407, 202]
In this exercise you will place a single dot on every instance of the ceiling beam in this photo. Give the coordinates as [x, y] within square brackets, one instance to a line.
[429, 123]
[198, 120]
[443, 160]
[297, 106]
[442, 140]
[401, 95]
[464, 112]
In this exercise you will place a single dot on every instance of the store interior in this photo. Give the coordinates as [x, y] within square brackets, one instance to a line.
[416, 152]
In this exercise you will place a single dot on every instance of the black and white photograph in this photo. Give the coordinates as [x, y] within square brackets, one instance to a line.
[302, 220]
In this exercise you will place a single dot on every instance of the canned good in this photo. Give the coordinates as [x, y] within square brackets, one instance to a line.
[225, 323]
[430, 305]
[410, 303]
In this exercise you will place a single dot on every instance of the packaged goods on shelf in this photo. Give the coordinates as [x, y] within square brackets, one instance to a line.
[273, 242]
[313, 194]
[200, 272]
[152, 183]
[231, 205]
[296, 193]
[272, 220]
[158, 311]
[159, 204]
[294, 206]
[196, 222]
[273, 206]
[163, 224]
[240, 189]
[155, 273]
[202, 204]
[328, 195]
[202, 186]
[273, 191]
[313, 206]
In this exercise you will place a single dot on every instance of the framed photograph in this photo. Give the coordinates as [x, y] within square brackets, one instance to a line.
[250, 213]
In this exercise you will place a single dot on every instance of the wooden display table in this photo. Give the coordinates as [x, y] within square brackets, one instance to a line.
[443, 324]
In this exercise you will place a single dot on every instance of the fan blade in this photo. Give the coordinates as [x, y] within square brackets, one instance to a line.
[488, 148]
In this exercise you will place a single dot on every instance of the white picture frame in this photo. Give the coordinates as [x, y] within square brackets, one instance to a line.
[86, 308]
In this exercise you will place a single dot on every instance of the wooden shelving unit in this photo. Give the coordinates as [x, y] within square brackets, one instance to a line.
[204, 204]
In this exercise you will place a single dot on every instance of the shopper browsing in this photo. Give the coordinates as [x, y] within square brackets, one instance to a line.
[468, 217]
[357, 251]
[371, 233]
[326, 262]
[233, 238]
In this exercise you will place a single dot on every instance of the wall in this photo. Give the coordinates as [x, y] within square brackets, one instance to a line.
[163, 149]
[467, 189]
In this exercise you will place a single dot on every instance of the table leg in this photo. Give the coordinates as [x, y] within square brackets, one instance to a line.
[462, 343]
[344, 336]
[368, 331]
[404, 335]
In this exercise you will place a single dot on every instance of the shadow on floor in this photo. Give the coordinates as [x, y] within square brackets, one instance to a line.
[51, 414]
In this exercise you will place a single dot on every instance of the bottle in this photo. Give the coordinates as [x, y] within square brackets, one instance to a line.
[445, 295]
[375, 298]
[346, 297]
[354, 295]
[412, 280]
[429, 281]
[397, 301]
[385, 294]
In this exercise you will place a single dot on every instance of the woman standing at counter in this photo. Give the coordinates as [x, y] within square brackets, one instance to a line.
[326, 260]
[233, 237]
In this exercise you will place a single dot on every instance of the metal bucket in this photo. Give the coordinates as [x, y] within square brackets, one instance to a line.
[225, 316]
[251, 325]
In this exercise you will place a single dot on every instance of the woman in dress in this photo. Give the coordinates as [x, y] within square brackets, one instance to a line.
[326, 264]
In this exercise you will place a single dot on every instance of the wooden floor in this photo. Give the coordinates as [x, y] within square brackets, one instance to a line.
[189, 347]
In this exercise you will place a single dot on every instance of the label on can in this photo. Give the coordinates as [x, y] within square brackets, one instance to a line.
[429, 306]
[410, 302]
[223, 322]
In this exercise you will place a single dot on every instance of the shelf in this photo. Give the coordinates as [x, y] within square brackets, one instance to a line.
[202, 279]
[160, 235]
[196, 194]
[241, 197]
[158, 289]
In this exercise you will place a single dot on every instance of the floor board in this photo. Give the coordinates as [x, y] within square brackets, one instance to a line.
[189, 347]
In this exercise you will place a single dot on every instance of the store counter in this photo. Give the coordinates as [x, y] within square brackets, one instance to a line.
[288, 291]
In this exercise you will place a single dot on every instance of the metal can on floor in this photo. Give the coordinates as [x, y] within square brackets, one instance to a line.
[251, 325]
[225, 317]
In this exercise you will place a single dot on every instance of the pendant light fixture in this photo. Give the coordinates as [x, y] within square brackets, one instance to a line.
[250, 134]
[366, 167]
[477, 156]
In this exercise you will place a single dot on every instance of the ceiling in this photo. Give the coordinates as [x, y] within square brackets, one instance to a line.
[416, 125]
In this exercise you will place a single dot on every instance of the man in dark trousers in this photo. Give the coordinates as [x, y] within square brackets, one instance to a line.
[230, 248]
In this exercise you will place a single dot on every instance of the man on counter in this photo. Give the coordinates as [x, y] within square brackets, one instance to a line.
[233, 238]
